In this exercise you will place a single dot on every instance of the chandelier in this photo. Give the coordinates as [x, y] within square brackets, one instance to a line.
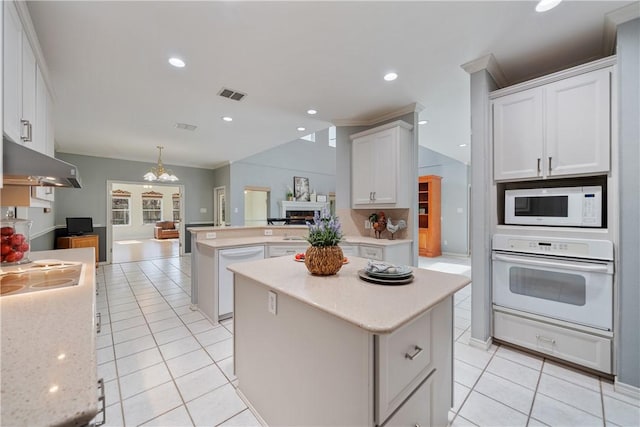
[159, 173]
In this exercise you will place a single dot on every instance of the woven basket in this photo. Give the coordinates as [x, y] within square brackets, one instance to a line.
[323, 260]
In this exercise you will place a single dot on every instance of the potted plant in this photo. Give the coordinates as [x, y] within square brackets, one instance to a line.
[324, 257]
[289, 194]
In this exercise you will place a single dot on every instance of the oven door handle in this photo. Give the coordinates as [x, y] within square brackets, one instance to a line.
[592, 268]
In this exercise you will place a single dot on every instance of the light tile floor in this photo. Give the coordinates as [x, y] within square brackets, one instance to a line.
[165, 365]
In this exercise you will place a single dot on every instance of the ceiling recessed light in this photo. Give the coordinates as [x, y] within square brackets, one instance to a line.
[462, 145]
[302, 129]
[176, 62]
[390, 77]
[544, 5]
[311, 112]
[227, 118]
[423, 122]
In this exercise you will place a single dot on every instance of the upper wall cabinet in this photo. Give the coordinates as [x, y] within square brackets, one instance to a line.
[377, 177]
[27, 102]
[557, 129]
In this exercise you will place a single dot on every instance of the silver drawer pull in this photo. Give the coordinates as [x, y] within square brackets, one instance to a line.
[99, 323]
[101, 399]
[417, 349]
[545, 339]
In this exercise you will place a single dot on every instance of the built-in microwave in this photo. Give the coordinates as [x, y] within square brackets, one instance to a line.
[556, 206]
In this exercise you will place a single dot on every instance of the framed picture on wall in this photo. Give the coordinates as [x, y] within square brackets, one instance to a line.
[301, 189]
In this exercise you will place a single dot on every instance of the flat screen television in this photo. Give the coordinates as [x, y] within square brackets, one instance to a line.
[79, 226]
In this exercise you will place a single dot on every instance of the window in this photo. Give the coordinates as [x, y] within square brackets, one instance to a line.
[120, 207]
[151, 207]
[175, 198]
[332, 136]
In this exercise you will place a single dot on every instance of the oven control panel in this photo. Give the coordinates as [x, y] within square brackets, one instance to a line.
[578, 248]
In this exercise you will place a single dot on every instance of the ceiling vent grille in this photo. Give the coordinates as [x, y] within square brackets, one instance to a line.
[185, 126]
[232, 94]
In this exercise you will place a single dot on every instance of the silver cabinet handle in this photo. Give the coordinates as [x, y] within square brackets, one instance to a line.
[549, 163]
[417, 351]
[545, 339]
[26, 124]
[99, 323]
[101, 399]
[539, 164]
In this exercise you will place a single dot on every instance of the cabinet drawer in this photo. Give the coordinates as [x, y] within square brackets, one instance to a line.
[371, 252]
[349, 250]
[276, 251]
[403, 359]
[415, 411]
[582, 348]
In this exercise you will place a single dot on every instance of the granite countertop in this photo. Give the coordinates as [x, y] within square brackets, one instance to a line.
[48, 360]
[375, 308]
[224, 242]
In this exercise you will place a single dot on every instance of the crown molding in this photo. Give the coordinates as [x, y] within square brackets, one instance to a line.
[414, 107]
[489, 63]
[611, 22]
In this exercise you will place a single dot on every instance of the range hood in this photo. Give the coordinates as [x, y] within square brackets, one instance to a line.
[24, 166]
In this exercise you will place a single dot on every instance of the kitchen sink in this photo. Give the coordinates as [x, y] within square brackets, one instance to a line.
[40, 277]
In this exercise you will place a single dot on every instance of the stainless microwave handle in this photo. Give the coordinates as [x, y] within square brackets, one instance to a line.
[593, 268]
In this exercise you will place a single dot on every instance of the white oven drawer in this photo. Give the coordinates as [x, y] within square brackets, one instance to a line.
[579, 347]
[404, 358]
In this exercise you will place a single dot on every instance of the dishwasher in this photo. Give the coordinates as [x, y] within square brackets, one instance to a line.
[227, 257]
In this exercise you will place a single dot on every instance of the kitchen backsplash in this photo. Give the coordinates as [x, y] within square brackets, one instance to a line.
[353, 221]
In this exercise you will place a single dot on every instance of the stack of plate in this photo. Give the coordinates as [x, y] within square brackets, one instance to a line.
[397, 275]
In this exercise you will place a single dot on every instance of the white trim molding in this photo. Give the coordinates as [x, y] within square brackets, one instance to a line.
[415, 107]
[482, 345]
[626, 389]
[489, 63]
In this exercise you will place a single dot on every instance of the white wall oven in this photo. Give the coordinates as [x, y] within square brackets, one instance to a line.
[563, 206]
[555, 296]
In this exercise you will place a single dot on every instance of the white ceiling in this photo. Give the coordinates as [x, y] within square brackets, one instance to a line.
[116, 96]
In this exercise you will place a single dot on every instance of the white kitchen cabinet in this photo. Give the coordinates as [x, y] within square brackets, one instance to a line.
[556, 129]
[29, 106]
[12, 71]
[518, 137]
[578, 124]
[349, 250]
[378, 166]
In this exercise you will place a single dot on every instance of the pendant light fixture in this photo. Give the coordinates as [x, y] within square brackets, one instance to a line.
[159, 173]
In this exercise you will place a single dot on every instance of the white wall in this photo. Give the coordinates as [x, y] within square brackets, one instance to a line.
[136, 229]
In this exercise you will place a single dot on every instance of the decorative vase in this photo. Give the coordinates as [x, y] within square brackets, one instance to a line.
[323, 260]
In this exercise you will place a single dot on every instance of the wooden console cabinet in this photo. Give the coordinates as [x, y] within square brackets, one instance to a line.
[73, 242]
[429, 216]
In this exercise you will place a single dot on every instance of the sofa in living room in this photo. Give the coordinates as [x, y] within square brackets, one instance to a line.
[165, 230]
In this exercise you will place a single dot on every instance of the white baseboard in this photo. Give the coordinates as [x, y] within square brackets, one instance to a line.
[626, 389]
[482, 345]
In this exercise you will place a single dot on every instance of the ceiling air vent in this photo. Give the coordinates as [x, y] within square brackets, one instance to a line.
[185, 126]
[232, 94]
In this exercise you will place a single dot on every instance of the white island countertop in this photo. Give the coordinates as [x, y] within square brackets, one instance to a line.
[375, 308]
[48, 360]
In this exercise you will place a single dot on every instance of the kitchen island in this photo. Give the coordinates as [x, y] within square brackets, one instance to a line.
[48, 362]
[337, 350]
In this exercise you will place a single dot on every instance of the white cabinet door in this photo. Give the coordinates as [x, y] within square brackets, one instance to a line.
[375, 168]
[518, 135]
[227, 257]
[39, 127]
[578, 124]
[417, 410]
[12, 71]
[362, 170]
[28, 93]
[50, 135]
